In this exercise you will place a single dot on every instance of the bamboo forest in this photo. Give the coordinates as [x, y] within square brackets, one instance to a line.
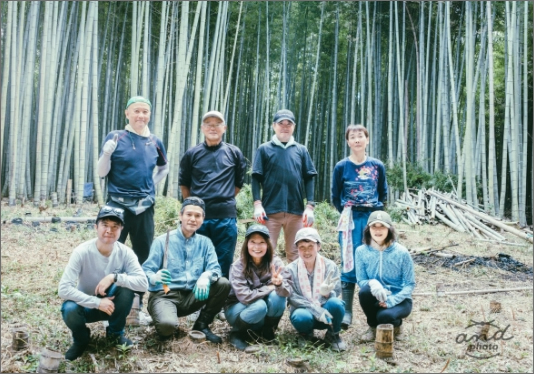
[444, 88]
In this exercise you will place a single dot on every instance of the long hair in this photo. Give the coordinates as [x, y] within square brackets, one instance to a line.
[392, 236]
[246, 258]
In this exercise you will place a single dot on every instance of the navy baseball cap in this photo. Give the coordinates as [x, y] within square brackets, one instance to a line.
[284, 114]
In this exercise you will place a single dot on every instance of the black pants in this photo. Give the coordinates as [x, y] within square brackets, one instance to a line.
[376, 315]
[165, 309]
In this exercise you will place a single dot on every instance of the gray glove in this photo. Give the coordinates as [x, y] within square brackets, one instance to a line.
[328, 285]
[378, 290]
[110, 145]
[326, 317]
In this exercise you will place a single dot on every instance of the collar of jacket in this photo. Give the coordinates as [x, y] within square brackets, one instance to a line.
[280, 144]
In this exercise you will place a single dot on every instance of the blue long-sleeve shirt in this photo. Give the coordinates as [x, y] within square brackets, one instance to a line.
[364, 186]
[187, 259]
[392, 267]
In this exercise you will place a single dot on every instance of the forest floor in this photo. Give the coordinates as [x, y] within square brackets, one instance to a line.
[34, 257]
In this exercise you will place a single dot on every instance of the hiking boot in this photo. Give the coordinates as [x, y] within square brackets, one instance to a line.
[306, 338]
[335, 341]
[347, 294]
[369, 336]
[398, 333]
[119, 339]
[81, 341]
[202, 324]
[270, 325]
[238, 339]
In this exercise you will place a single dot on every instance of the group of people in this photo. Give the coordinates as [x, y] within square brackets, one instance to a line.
[191, 270]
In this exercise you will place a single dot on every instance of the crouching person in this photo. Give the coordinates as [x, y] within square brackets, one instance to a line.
[385, 274]
[192, 274]
[315, 286]
[258, 296]
[99, 283]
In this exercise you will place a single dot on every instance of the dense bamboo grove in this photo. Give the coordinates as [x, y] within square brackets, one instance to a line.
[445, 85]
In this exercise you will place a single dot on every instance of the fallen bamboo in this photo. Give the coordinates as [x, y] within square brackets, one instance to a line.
[465, 262]
[444, 255]
[448, 222]
[505, 243]
[473, 291]
[484, 228]
[486, 218]
[61, 219]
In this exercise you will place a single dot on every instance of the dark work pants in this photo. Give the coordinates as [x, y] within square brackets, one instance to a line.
[376, 315]
[223, 235]
[165, 309]
[141, 230]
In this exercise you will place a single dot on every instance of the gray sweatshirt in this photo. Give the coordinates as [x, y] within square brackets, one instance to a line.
[246, 291]
[87, 267]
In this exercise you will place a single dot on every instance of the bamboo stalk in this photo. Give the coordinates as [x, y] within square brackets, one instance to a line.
[506, 243]
[486, 218]
[449, 223]
[444, 255]
[473, 291]
[484, 228]
[465, 262]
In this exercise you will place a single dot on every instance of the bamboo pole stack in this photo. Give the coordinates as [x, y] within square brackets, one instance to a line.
[427, 206]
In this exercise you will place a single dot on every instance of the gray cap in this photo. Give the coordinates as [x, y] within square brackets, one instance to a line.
[284, 114]
[260, 229]
[379, 216]
[108, 211]
[213, 113]
[307, 233]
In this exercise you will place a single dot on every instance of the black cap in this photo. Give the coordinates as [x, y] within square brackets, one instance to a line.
[257, 229]
[284, 114]
[111, 212]
[193, 200]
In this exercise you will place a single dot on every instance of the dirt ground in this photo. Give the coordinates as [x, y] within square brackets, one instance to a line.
[33, 259]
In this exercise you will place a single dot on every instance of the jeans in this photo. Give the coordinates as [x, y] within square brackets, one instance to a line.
[223, 235]
[376, 315]
[254, 314]
[360, 219]
[304, 322]
[291, 224]
[165, 309]
[76, 316]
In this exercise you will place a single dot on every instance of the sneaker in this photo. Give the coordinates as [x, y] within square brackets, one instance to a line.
[144, 319]
[221, 315]
[193, 316]
[369, 336]
[120, 340]
[75, 351]
[335, 341]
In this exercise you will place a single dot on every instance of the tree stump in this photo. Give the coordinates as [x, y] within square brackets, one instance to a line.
[384, 341]
[49, 361]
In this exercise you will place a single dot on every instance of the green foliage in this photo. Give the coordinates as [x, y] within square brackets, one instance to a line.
[166, 214]
[245, 205]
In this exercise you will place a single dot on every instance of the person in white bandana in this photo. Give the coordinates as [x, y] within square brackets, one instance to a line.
[315, 286]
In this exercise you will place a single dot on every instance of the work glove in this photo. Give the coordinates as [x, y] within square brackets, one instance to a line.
[110, 145]
[202, 287]
[328, 285]
[326, 317]
[161, 277]
[378, 291]
[307, 216]
[259, 213]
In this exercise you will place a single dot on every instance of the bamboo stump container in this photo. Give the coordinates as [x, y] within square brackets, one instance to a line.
[133, 317]
[384, 341]
[49, 361]
[20, 336]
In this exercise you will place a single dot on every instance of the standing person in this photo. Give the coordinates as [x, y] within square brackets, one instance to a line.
[315, 285]
[215, 171]
[128, 159]
[98, 283]
[359, 187]
[285, 171]
[385, 273]
[258, 296]
[193, 276]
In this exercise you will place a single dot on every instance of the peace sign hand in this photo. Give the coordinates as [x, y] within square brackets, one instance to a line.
[276, 277]
[328, 284]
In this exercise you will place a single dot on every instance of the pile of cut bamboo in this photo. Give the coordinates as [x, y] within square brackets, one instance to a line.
[426, 206]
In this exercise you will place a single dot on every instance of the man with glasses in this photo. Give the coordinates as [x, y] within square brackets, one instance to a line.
[214, 171]
[98, 283]
[285, 171]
